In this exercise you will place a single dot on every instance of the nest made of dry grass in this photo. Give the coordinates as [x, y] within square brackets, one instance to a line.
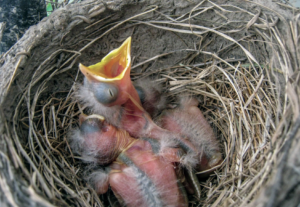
[250, 101]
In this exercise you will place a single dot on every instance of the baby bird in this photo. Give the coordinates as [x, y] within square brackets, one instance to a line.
[188, 120]
[107, 88]
[140, 174]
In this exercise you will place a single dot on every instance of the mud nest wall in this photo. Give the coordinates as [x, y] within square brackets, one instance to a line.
[238, 58]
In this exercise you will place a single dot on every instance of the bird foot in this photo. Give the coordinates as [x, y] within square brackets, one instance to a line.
[215, 160]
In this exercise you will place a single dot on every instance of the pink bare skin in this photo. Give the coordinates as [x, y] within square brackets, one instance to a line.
[138, 177]
[152, 179]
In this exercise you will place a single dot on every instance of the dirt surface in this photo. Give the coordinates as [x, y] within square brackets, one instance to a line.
[60, 32]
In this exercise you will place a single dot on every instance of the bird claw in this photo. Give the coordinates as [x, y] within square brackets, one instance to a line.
[215, 160]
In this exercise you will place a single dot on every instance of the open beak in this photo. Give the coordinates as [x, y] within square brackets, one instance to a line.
[114, 69]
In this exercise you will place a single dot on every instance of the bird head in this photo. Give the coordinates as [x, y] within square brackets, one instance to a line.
[100, 142]
[109, 79]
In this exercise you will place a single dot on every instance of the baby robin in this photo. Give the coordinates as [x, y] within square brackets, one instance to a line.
[140, 172]
[186, 119]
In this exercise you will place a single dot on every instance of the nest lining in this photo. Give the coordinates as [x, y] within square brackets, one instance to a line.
[232, 58]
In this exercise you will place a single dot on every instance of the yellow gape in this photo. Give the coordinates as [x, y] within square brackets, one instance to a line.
[112, 67]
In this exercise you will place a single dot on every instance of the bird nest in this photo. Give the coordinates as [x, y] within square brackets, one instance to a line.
[239, 59]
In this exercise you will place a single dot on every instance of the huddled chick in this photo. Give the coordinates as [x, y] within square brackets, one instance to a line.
[185, 119]
[139, 173]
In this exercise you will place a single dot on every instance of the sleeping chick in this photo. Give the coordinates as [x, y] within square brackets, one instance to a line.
[188, 120]
[137, 175]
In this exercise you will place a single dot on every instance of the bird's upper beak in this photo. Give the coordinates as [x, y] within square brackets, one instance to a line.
[114, 69]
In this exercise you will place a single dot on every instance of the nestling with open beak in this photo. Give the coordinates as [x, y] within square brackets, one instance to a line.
[108, 90]
[141, 173]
